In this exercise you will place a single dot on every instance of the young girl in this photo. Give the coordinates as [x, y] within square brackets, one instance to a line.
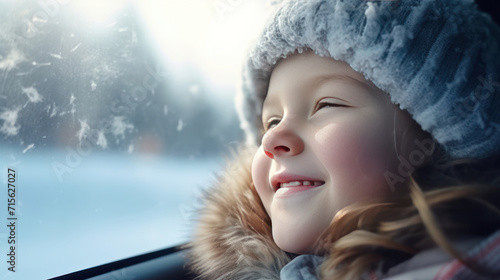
[377, 128]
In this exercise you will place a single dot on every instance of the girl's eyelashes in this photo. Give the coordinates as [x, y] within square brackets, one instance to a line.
[323, 103]
[272, 123]
[328, 102]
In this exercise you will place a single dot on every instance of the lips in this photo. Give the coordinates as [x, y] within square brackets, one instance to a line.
[286, 180]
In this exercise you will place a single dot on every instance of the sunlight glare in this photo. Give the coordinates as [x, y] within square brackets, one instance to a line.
[197, 32]
[97, 11]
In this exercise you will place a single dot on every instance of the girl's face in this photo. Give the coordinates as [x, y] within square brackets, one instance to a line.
[330, 139]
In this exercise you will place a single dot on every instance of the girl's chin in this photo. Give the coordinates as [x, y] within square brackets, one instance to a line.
[300, 245]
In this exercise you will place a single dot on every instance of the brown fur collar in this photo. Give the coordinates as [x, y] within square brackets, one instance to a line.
[233, 237]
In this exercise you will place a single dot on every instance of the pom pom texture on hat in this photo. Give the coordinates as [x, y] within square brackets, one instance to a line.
[438, 59]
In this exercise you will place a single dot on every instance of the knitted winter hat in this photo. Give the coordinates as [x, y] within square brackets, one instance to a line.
[438, 59]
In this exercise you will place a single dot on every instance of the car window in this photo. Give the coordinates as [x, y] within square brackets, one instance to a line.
[113, 116]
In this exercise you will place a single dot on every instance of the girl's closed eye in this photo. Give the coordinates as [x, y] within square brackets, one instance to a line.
[329, 102]
[272, 122]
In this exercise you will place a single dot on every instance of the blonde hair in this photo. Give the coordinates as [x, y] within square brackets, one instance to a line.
[363, 235]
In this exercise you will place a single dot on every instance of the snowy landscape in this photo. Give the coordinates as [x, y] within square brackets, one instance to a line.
[111, 206]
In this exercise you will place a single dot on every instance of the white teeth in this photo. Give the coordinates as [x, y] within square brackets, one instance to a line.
[291, 184]
[300, 183]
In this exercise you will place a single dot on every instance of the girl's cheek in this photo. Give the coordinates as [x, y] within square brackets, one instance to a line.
[261, 165]
[353, 155]
[339, 149]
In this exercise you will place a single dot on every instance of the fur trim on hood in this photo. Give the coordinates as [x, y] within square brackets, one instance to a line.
[233, 238]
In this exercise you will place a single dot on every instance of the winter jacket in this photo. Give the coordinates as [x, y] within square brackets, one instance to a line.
[233, 240]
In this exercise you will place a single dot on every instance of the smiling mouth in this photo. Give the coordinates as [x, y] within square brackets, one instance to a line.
[291, 181]
[300, 183]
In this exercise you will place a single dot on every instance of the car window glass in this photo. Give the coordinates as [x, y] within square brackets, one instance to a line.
[113, 116]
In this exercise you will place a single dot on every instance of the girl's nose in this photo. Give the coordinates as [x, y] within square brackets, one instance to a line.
[281, 141]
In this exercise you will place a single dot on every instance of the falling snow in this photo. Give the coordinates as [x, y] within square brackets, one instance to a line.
[9, 118]
[30, 146]
[12, 60]
[55, 55]
[48, 93]
[38, 19]
[101, 140]
[33, 95]
[119, 126]
[34, 63]
[75, 47]
[180, 125]
[54, 110]
[84, 130]
[72, 104]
